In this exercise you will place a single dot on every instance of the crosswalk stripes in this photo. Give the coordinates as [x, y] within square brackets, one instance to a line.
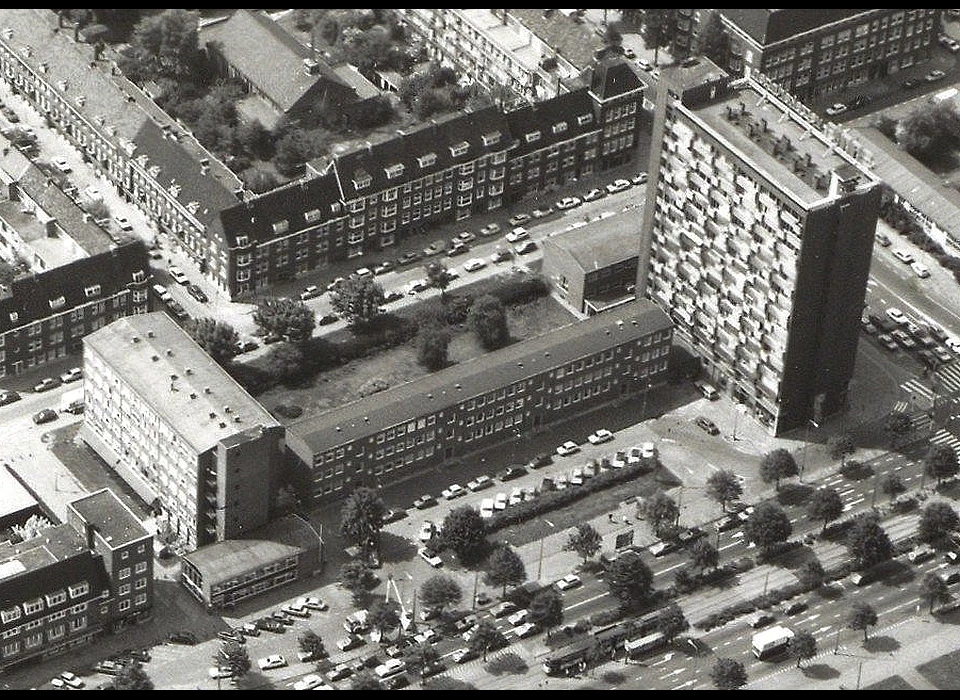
[948, 379]
[918, 389]
[900, 407]
[921, 421]
[945, 438]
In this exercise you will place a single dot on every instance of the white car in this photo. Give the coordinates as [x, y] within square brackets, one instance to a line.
[648, 450]
[836, 108]
[71, 680]
[524, 247]
[516, 496]
[576, 478]
[500, 501]
[474, 264]
[311, 681]
[897, 315]
[920, 270]
[518, 617]
[311, 603]
[481, 482]
[61, 164]
[953, 344]
[178, 275]
[601, 436]
[527, 629]
[432, 559]
[453, 491]
[219, 672]
[71, 375]
[426, 531]
[560, 482]
[568, 203]
[123, 223]
[619, 460]
[619, 186]
[418, 285]
[486, 508]
[272, 661]
[568, 448]
[904, 256]
[517, 234]
[569, 581]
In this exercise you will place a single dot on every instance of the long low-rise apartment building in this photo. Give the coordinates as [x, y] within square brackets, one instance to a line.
[494, 398]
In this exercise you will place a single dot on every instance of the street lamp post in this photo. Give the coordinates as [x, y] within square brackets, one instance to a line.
[540, 558]
[806, 445]
[646, 393]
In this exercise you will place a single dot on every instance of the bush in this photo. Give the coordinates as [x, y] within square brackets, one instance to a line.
[288, 410]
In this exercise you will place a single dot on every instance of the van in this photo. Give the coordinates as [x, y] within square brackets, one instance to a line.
[161, 292]
[390, 667]
[708, 390]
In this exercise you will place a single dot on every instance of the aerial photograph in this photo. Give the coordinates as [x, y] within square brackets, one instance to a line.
[480, 349]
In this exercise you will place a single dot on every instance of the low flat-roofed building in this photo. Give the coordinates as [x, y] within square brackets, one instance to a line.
[17, 504]
[221, 575]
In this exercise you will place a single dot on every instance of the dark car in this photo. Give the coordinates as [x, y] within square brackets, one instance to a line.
[141, 655]
[183, 637]
[8, 397]
[384, 267]
[690, 534]
[392, 295]
[327, 319]
[425, 501]
[514, 471]
[411, 257]
[396, 682]
[232, 635]
[176, 308]
[394, 514]
[541, 460]
[708, 425]
[197, 293]
[270, 625]
[911, 83]
[44, 416]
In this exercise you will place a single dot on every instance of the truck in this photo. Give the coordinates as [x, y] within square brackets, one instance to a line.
[72, 401]
[771, 642]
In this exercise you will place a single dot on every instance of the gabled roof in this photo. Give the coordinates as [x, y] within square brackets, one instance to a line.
[560, 119]
[293, 203]
[614, 77]
[31, 296]
[433, 147]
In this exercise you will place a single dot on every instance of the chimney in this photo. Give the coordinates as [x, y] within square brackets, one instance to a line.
[90, 530]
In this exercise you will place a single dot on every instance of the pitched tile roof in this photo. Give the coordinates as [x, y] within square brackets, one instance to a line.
[566, 112]
[770, 26]
[613, 77]
[30, 296]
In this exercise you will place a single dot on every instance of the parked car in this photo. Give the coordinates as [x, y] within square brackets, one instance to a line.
[425, 501]
[503, 609]
[931, 77]
[384, 267]
[310, 292]
[568, 448]
[270, 662]
[44, 416]
[486, 508]
[462, 656]
[501, 255]
[176, 308]
[71, 680]
[178, 275]
[500, 501]
[350, 643]
[434, 248]
[519, 219]
[836, 108]
[542, 212]
[897, 316]
[338, 673]
[270, 625]
[123, 223]
[71, 375]
[453, 491]
[474, 264]
[518, 234]
[8, 397]
[427, 530]
[61, 164]
[282, 617]
[595, 193]
[409, 257]
[525, 247]
[514, 471]
[568, 203]
[920, 270]
[794, 607]
[527, 629]
[47, 384]
[481, 482]
[540, 460]
[904, 256]
[569, 581]
[394, 514]
[639, 179]
[183, 637]
[108, 667]
[600, 436]
[457, 248]
[432, 559]
[491, 229]
[619, 186]
[197, 293]
[883, 239]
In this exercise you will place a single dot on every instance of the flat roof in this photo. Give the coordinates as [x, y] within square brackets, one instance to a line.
[602, 243]
[178, 379]
[113, 520]
[14, 498]
[487, 372]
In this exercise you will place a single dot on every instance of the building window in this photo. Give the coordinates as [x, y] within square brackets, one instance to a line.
[140, 567]
[54, 599]
[32, 607]
[459, 149]
[125, 572]
[140, 584]
[532, 137]
[426, 160]
[10, 614]
[124, 589]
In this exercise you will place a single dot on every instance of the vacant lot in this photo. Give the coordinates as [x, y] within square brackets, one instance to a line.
[399, 365]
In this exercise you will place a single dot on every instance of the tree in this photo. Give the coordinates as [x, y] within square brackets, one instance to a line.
[285, 361]
[723, 486]
[660, 511]
[234, 657]
[358, 300]
[777, 464]
[465, 533]
[671, 621]
[930, 130]
[840, 446]
[898, 424]
[659, 29]
[488, 319]
[937, 521]
[486, 637]
[826, 505]
[8, 273]
[384, 616]
[294, 149]
[434, 342]
[361, 518]
[218, 339]
[293, 319]
[812, 573]
[728, 674]
[869, 543]
[421, 656]
[940, 462]
[802, 646]
[714, 42]
[933, 590]
[862, 617]
[439, 277]
[767, 525]
[132, 677]
[358, 578]
[311, 643]
[505, 568]
[440, 591]
[704, 554]
[585, 541]
[164, 45]
[546, 609]
[365, 680]
[630, 580]
[892, 485]
[32, 527]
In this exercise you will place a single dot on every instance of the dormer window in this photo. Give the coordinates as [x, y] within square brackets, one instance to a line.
[491, 139]
[533, 137]
[362, 180]
[138, 276]
[281, 226]
[585, 119]
[559, 127]
[14, 317]
[459, 149]
[394, 171]
[58, 303]
[426, 160]
[312, 216]
[242, 241]
[92, 291]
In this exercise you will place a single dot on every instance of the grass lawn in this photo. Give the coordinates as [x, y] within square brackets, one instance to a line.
[398, 365]
[942, 671]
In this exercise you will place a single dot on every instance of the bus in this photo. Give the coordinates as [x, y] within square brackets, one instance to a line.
[651, 642]
[571, 658]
